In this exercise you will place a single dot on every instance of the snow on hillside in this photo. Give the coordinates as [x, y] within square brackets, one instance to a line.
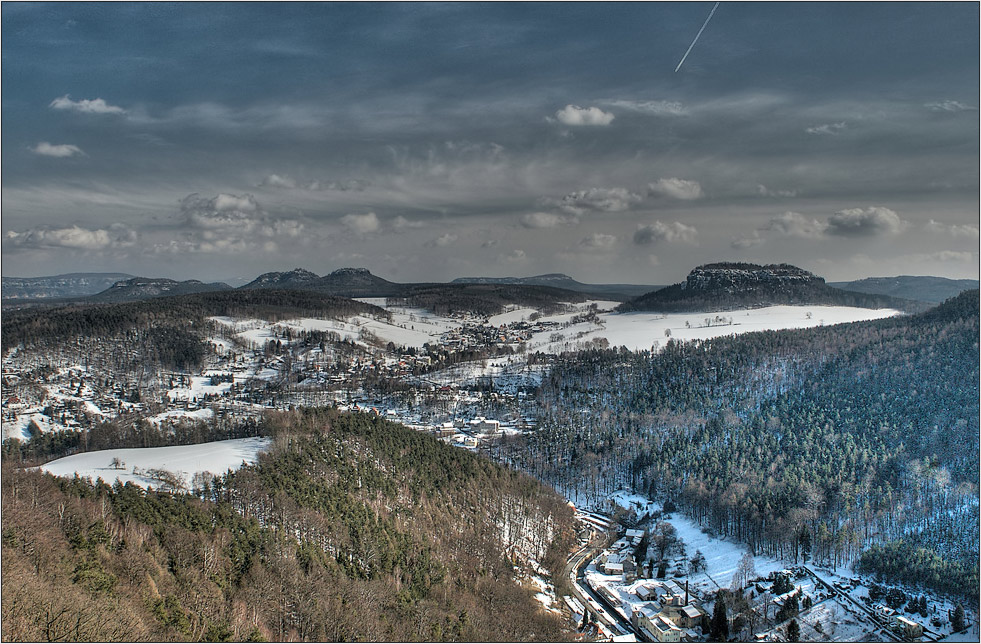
[721, 556]
[18, 428]
[641, 330]
[408, 327]
[184, 461]
[198, 388]
[180, 415]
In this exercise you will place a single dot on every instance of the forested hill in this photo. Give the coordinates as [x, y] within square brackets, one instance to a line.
[728, 286]
[171, 328]
[819, 442]
[911, 287]
[142, 288]
[485, 299]
[350, 529]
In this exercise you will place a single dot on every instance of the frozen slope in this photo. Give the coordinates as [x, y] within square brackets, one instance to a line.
[183, 460]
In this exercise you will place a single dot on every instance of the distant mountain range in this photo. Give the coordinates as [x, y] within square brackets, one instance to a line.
[911, 287]
[709, 287]
[726, 286]
[558, 280]
[58, 286]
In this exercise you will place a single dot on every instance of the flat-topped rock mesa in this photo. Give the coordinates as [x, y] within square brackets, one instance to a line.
[141, 288]
[742, 278]
[735, 285]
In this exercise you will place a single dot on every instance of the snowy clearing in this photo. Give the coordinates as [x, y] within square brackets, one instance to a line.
[180, 415]
[184, 461]
[721, 556]
[639, 331]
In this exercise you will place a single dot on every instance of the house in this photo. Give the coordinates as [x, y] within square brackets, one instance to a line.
[446, 429]
[663, 629]
[687, 616]
[481, 425]
[613, 568]
[910, 629]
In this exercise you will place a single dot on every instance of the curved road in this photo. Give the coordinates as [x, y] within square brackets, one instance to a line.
[590, 599]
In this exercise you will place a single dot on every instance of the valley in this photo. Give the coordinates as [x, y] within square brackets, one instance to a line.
[716, 432]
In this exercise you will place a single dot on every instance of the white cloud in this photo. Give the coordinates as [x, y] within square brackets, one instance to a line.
[226, 203]
[676, 188]
[598, 241]
[763, 191]
[660, 232]
[516, 255]
[539, 220]
[794, 224]
[74, 238]
[287, 182]
[443, 240]
[672, 108]
[362, 224]
[61, 151]
[239, 214]
[951, 106]
[94, 106]
[576, 116]
[865, 222]
[279, 181]
[954, 230]
[229, 224]
[601, 199]
[401, 223]
[827, 128]
[743, 243]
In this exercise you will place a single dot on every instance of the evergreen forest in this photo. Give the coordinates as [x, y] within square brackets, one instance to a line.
[811, 445]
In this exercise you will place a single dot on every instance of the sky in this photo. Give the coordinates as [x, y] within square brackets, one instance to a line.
[425, 142]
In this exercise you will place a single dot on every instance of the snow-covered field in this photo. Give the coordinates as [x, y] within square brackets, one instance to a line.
[408, 327]
[199, 386]
[638, 331]
[184, 461]
[413, 327]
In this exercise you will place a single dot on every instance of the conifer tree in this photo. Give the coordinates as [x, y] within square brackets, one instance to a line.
[720, 623]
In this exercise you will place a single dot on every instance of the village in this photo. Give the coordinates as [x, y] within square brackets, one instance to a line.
[445, 387]
[647, 575]
[657, 577]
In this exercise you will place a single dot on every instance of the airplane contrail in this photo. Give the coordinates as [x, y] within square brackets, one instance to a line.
[711, 13]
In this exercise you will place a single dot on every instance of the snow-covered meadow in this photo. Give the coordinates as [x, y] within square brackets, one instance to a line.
[135, 465]
[642, 330]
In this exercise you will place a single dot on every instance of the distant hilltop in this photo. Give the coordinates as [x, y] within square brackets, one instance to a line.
[345, 282]
[141, 288]
[911, 287]
[560, 280]
[59, 286]
[735, 285]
